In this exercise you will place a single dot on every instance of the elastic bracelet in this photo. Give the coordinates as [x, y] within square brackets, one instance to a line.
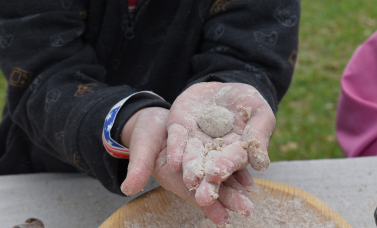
[114, 148]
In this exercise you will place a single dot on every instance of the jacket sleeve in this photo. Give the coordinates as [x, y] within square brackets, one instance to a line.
[56, 89]
[251, 42]
[356, 124]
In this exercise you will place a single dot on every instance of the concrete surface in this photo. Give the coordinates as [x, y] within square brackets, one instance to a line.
[349, 186]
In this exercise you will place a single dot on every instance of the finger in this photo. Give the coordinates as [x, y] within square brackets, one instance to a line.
[245, 179]
[255, 139]
[260, 126]
[256, 136]
[192, 163]
[235, 197]
[207, 193]
[177, 139]
[232, 158]
[147, 138]
[172, 181]
[216, 213]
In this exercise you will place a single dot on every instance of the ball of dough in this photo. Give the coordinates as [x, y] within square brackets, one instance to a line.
[216, 121]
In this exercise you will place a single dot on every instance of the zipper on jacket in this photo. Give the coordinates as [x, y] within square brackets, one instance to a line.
[128, 19]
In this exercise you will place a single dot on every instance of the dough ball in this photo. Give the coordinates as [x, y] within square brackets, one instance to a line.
[216, 121]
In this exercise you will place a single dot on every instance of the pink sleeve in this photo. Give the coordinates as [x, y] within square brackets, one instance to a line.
[357, 107]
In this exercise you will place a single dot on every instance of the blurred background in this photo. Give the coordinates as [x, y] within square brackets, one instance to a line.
[330, 31]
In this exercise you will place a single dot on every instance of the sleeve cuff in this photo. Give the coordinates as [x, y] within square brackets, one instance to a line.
[111, 143]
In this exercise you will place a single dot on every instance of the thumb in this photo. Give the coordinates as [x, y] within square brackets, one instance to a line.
[148, 137]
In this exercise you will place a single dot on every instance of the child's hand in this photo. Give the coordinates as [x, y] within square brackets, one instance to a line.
[145, 135]
[206, 161]
[233, 192]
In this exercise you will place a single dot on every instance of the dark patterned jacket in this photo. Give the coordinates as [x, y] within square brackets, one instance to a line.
[67, 62]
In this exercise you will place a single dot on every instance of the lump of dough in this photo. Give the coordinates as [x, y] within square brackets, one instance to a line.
[216, 121]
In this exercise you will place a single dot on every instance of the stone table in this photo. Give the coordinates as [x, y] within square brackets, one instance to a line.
[349, 186]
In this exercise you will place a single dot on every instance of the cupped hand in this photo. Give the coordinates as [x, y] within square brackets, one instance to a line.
[209, 157]
[146, 135]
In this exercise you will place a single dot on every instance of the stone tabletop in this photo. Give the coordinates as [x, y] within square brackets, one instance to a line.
[349, 186]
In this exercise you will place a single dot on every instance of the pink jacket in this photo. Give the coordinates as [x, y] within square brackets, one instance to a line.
[357, 107]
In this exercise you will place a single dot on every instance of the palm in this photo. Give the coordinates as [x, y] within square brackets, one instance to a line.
[207, 161]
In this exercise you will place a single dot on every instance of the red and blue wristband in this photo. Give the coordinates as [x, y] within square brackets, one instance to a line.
[114, 148]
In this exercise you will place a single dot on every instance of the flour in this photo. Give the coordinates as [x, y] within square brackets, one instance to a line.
[258, 159]
[275, 213]
[245, 112]
[269, 212]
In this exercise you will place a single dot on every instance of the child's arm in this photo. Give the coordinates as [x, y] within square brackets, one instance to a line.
[58, 96]
[249, 42]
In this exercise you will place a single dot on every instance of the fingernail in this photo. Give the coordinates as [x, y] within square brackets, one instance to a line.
[124, 190]
[226, 224]
[249, 206]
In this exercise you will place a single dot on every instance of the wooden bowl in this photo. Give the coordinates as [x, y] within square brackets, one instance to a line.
[166, 209]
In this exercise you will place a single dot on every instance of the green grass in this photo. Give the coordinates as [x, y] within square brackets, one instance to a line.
[330, 30]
